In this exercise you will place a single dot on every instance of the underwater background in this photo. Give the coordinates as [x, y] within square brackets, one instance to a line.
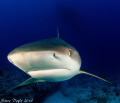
[91, 26]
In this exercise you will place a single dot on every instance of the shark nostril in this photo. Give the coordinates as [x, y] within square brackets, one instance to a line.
[55, 55]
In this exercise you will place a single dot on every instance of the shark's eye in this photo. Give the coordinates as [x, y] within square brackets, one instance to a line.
[10, 61]
[70, 52]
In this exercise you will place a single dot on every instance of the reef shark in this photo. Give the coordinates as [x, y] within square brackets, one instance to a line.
[51, 60]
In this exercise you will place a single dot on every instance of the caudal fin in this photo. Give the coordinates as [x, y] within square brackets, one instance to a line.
[84, 72]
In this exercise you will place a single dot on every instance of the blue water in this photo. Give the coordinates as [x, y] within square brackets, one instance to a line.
[91, 26]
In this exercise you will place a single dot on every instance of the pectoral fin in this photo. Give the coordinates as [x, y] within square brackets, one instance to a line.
[84, 72]
[27, 82]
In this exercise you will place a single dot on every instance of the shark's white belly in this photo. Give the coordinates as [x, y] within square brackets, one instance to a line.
[53, 75]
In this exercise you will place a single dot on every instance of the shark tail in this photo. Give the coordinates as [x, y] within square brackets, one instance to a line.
[27, 82]
[84, 72]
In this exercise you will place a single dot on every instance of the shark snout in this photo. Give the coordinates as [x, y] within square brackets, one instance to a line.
[14, 57]
[9, 58]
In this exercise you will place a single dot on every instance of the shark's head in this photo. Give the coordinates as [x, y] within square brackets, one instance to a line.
[48, 54]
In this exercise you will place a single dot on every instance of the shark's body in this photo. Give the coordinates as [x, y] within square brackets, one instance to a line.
[50, 60]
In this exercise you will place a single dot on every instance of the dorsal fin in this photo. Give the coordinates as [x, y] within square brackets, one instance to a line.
[58, 34]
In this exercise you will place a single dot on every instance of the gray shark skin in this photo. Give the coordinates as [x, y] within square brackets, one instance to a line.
[51, 60]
